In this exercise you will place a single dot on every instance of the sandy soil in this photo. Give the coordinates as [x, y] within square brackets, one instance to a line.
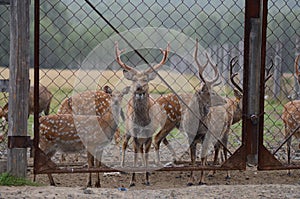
[243, 184]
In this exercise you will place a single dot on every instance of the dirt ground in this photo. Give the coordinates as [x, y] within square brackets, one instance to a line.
[242, 184]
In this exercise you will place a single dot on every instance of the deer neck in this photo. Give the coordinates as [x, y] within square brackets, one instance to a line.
[141, 110]
[116, 112]
[203, 106]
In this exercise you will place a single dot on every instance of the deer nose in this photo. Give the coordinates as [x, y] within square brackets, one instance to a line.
[139, 87]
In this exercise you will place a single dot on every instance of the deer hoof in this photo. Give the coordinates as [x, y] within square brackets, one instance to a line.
[97, 184]
[132, 184]
[210, 175]
[227, 177]
[201, 183]
[89, 184]
[147, 183]
[189, 184]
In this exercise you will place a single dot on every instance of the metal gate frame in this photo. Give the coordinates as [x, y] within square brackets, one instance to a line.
[251, 151]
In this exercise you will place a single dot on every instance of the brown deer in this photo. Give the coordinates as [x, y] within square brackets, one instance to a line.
[141, 116]
[45, 97]
[71, 133]
[291, 116]
[94, 102]
[234, 107]
[203, 122]
[175, 106]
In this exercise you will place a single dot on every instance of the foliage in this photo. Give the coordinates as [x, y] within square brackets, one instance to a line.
[8, 180]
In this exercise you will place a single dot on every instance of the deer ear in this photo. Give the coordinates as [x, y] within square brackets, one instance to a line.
[128, 74]
[151, 76]
[126, 90]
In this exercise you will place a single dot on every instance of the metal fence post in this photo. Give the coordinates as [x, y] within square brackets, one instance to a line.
[255, 43]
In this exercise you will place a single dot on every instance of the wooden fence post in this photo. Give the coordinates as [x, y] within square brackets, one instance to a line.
[18, 87]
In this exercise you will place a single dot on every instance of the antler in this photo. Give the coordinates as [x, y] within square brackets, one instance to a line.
[122, 64]
[268, 74]
[296, 67]
[202, 68]
[233, 62]
[164, 59]
[128, 68]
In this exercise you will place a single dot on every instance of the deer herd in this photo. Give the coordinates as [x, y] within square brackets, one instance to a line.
[89, 121]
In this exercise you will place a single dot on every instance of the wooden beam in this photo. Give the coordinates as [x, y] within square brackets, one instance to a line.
[18, 84]
[4, 2]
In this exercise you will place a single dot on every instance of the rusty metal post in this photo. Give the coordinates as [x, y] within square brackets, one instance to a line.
[36, 81]
[18, 87]
[254, 56]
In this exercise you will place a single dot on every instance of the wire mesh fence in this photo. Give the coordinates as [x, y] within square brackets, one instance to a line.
[77, 54]
[282, 48]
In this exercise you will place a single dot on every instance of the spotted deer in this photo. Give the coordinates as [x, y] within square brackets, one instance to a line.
[72, 133]
[234, 112]
[143, 114]
[234, 108]
[93, 102]
[203, 122]
[291, 117]
[175, 105]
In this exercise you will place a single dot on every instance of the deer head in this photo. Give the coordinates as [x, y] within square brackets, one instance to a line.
[206, 91]
[140, 79]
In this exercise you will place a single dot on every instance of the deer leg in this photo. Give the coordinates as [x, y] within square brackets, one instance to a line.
[225, 141]
[161, 136]
[135, 148]
[203, 163]
[288, 143]
[216, 156]
[98, 164]
[52, 183]
[90, 165]
[166, 142]
[204, 150]
[193, 160]
[147, 149]
[62, 158]
[124, 147]
[97, 183]
[50, 154]
[156, 146]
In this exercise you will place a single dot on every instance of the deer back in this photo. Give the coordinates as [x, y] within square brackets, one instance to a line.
[45, 97]
[86, 103]
[291, 117]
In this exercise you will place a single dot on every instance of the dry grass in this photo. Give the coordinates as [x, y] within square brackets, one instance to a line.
[81, 79]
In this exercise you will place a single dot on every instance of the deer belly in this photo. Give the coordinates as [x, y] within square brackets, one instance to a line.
[70, 145]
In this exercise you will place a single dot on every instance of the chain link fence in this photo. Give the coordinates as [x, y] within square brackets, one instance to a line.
[282, 48]
[77, 54]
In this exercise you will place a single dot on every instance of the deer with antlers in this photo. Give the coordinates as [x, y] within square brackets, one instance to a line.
[291, 116]
[175, 105]
[143, 114]
[203, 122]
[72, 133]
[234, 107]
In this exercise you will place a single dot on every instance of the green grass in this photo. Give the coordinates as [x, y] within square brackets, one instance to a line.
[8, 180]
